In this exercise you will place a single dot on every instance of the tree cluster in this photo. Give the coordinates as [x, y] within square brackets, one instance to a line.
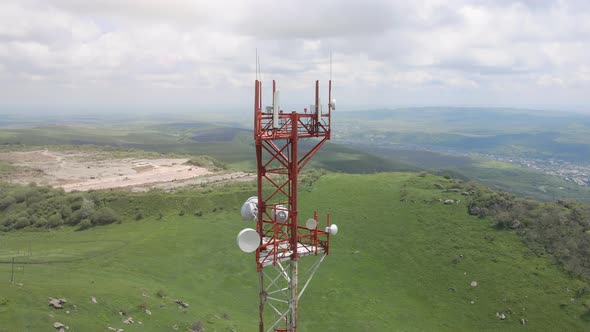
[46, 207]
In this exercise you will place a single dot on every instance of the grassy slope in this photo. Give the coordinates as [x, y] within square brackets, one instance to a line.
[391, 267]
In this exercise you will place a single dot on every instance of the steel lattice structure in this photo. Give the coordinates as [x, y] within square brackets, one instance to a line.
[283, 238]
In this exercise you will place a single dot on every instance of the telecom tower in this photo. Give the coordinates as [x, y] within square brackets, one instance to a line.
[280, 238]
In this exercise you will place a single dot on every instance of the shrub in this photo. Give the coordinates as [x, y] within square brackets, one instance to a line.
[139, 215]
[161, 293]
[55, 220]
[75, 218]
[20, 194]
[33, 197]
[7, 221]
[66, 211]
[22, 222]
[41, 222]
[75, 201]
[197, 326]
[7, 202]
[104, 216]
[503, 220]
[84, 224]
[87, 208]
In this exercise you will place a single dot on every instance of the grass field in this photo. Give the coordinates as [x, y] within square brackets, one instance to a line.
[394, 266]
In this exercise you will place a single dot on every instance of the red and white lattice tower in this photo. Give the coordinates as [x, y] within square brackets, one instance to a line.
[282, 236]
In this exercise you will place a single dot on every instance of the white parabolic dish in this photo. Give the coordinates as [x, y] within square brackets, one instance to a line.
[311, 223]
[281, 214]
[250, 209]
[333, 229]
[248, 240]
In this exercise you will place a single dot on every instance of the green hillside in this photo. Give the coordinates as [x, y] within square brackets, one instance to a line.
[402, 261]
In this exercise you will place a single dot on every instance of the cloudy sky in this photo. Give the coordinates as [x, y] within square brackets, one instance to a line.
[174, 54]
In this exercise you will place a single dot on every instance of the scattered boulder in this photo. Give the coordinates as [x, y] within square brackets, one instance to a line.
[93, 299]
[439, 186]
[147, 311]
[523, 321]
[116, 330]
[449, 201]
[57, 303]
[474, 211]
[455, 190]
[128, 320]
[182, 303]
[515, 224]
[54, 303]
[59, 326]
[473, 283]
[502, 316]
[465, 193]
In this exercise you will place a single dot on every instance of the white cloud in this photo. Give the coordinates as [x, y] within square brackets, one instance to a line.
[387, 54]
